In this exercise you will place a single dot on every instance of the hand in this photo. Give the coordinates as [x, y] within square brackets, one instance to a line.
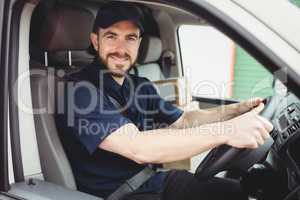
[249, 130]
[246, 106]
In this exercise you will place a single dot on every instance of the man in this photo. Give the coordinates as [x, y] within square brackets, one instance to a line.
[107, 145]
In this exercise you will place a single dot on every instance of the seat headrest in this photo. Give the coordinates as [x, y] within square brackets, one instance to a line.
[150, 50]
[66, 28]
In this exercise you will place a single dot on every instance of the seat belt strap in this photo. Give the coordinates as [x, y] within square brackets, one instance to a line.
[137, 180]
[115, 102]
[132, 184]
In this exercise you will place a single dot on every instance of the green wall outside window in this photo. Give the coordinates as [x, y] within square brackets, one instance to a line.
[251, 79]
[297, 2]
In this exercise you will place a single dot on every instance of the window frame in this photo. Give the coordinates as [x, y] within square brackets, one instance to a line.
[4, 36]
[13, 73]
[9, 58]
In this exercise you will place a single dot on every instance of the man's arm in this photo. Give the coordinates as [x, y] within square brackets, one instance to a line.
[167, 145]
[218, 114]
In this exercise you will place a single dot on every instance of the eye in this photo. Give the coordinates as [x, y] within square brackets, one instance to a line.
[132, 39]
[111, 37]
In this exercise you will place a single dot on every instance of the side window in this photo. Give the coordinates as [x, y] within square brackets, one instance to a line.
[296, 2]
[216, 67]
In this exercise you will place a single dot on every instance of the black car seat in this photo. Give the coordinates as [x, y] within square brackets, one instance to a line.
[63, 40]
[62, 35]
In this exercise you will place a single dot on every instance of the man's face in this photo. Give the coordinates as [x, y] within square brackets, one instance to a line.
[118, 46]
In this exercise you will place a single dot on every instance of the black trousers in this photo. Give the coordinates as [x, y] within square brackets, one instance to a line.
[182, 185]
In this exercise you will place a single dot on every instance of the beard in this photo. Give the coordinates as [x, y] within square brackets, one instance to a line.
[119, 67]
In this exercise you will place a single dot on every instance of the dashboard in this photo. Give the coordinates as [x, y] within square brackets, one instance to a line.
[286, 122]
[286, 135]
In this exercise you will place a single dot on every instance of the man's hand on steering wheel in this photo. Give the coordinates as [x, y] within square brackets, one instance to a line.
[249, 130]
[248, 105]
[247, 143]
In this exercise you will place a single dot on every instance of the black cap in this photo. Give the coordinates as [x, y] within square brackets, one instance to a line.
[113, 12]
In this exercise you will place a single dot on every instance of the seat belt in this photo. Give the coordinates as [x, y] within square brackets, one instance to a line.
[134, 182]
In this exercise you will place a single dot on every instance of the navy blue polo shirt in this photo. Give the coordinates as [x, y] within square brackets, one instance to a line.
[90, 116]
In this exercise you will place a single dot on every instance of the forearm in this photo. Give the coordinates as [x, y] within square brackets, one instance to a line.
[224, 113]
[167, 145]
[197, 118]
[170, 145]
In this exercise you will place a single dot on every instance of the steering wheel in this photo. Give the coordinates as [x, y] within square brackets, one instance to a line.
[226, 157]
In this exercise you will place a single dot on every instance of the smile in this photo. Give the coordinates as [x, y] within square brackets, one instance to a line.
[119, 59]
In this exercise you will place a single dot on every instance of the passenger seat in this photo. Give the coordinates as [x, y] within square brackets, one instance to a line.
[149, 54]
[148, 67]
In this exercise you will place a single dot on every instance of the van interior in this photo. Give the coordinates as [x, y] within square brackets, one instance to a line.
[54, 41]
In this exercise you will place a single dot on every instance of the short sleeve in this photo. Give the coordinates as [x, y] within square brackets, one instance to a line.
[165, 112]
[93, 117]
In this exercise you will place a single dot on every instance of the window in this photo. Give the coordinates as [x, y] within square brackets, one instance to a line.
[295, 2]
[216, 67]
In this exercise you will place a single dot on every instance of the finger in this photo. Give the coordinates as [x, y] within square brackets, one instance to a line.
[254, 102]
[259, 139]
[265, 134]
[258, 100]
[252, 144]
[248, 105]
[258, 108]
[267, 124]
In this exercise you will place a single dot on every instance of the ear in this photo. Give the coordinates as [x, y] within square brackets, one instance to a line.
[140, 40]
[94, 40]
